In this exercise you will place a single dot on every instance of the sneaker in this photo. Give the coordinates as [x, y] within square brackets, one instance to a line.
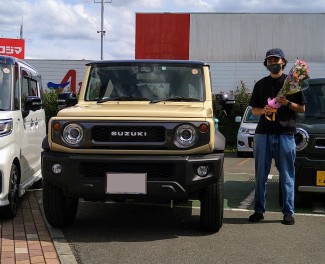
[256, 217]
[288, 220]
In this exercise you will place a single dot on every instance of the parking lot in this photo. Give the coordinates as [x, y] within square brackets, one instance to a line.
[129, 233]
[143, 233]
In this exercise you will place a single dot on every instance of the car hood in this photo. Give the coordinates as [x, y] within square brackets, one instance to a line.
[249, 125]
[121, 109]
[312, 126]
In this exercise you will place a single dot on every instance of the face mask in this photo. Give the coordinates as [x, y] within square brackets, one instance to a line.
[274, 68]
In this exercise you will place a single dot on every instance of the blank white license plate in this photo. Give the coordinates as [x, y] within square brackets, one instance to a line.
[126, 183]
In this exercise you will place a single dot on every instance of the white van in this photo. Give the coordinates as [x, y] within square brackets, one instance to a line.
[22, 129]
[246, 132]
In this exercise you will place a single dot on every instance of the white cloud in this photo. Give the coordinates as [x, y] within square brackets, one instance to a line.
[67, 29]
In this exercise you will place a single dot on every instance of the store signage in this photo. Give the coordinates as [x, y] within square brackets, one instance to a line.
[12, 47]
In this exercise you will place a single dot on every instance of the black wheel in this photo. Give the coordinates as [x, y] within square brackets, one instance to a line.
[211, 214]
[10, 210]
[280, 194]
[59, 209]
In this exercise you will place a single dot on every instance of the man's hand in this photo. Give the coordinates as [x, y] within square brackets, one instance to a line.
[268, 110]
[282, 100]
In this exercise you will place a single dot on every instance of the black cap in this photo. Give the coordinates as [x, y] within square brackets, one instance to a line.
[274, 53]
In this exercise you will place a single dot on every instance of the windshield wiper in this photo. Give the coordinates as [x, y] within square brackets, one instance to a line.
[175, 99]
[123, 98]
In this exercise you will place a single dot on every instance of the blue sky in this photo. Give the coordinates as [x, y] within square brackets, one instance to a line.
[67, 29]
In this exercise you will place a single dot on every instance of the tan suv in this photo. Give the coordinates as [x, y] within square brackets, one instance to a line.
[141, 129]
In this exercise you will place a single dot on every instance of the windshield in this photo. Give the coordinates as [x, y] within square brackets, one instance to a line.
[145, 82]
[250, 118]
[5, 87]
[315, 107]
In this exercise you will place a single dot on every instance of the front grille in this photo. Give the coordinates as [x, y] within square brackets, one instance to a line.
[153, 170]
[128, 134]
[320, 142]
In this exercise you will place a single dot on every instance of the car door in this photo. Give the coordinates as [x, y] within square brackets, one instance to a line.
[33, 129]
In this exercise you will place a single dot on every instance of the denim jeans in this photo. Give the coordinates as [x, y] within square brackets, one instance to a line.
[282, 148]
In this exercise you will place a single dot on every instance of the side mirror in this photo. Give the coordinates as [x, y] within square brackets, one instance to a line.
[226, 101]
[66, 100]
[32, 103]
[238, 119]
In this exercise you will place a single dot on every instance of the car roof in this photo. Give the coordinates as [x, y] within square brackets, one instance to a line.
[317, 81]
[125, 62]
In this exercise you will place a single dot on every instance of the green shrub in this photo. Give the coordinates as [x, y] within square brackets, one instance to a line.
[50, 103]
[227, 125]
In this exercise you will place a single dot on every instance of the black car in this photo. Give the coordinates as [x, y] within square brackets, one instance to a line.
[310, 140]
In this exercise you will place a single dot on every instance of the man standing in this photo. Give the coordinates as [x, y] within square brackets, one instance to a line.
[274, 135]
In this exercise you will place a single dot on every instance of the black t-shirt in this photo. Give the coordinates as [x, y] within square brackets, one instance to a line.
[285, 118]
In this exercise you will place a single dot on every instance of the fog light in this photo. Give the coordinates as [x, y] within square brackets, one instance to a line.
[57, 168]
[202, 171]
[241, 143]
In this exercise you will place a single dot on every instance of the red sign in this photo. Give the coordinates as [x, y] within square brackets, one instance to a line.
[12, 47]
[162, 36]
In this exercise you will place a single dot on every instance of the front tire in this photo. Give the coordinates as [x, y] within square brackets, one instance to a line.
[211, 213]
[59, 209]
[10, 210]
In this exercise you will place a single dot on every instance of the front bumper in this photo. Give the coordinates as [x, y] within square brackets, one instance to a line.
[306, 174]
[245, 142]
[168, 177]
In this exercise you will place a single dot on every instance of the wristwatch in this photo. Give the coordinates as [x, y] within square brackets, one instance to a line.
[289, 104]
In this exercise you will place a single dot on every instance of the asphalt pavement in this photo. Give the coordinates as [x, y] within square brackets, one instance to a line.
[144, 233]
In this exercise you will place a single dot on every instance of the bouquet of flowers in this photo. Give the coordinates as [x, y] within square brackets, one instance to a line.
[296, 81]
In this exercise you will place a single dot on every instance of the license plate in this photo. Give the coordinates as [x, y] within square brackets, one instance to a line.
[320, 178]
[126, 183]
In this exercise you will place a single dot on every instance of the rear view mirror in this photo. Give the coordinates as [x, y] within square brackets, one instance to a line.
[66, 100]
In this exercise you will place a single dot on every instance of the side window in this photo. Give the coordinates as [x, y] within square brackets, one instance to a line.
[29, 86]
[24, 83]
[16, 91]
[33, 88]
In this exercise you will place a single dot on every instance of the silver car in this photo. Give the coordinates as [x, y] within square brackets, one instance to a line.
[246, 132]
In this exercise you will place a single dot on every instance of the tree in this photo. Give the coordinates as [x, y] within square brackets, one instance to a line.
[227, 124]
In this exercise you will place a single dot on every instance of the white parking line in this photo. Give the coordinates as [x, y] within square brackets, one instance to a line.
[270, 212]
[244, 161]
[247, 201]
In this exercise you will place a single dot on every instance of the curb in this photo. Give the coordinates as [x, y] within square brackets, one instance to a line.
[61, 245]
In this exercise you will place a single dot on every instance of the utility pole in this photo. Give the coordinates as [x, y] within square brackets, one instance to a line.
[22, 28]
[101, 31]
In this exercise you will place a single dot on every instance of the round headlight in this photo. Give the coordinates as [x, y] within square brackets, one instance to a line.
[72, 134]
[301, 139]
[185, 136]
